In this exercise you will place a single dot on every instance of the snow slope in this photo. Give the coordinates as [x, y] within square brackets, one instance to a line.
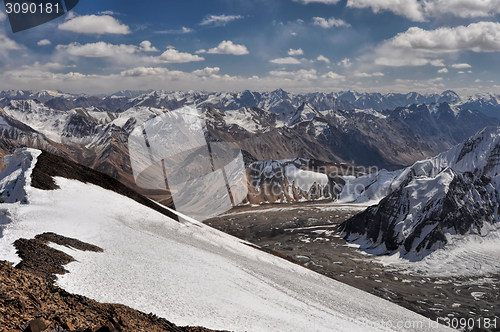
[187, 272]
[369, 188]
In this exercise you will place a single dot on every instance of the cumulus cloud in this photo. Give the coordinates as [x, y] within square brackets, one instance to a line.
[144, 71]
[462, 8]
[8, 44]
[419, 10]
[227, 47]
[97, 50]
[478, 37]
[174, 56]
[220, 20]
[443, 71]
[293, 52]
[331, 22]
[333, 76]
[419, 47]
[94, 24]
[299, 75]
[44, 42]
[411, 9]
[346, 63]
[327, 2]
[103, 49]
[147, 47]
[323, 58]
[368, 75]
[286, 61]
[207, 71]
[461, 65]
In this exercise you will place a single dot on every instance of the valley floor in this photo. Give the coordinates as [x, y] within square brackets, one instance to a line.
[306, 233]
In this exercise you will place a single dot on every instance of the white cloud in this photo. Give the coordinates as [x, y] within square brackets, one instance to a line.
[346, 63]
[411, 9]
[293, 52]
[461, 65]
[299, 75]
[478, 37]
[462, 8]
[108, 12]
[93, 24]
[331, 22]
[8, 44]
[286, 61]
[333, 76]
[44, 42]
[37, 66]
[97, 50]
[323, 58]
[367, 75]
[147, 47]
[419, 47]
[419, 10]
[207, 71]
[327, 2]
[144, 71]
[173, 56]
[227, 47]
[181, 31]
[443, 71]
[220, 20]
[2, 16]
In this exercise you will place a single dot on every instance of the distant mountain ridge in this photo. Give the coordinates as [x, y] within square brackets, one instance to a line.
[273, 126]
[276, 101]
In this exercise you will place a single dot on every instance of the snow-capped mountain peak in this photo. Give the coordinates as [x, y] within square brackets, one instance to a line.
[453, 194]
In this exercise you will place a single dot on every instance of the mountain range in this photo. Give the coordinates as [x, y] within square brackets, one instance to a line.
[94, 130]
[274, 101]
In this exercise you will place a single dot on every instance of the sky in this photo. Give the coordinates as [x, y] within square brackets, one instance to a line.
[382, 46]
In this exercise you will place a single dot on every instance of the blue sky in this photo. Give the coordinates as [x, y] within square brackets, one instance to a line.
[227, 45]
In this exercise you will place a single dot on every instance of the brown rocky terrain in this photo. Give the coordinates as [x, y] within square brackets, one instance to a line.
[30, 302]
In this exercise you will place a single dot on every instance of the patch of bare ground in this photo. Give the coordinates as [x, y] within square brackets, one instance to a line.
[306, 233]
[29, 301]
